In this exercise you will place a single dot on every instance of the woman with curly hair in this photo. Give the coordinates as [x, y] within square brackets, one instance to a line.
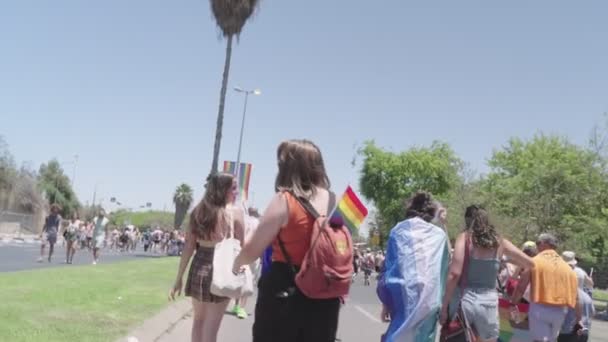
[481, 248]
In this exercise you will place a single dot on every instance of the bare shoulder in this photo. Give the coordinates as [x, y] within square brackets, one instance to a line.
[237, 213]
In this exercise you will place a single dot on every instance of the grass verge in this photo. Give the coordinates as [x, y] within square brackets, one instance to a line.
[601, 295]
[83, 303]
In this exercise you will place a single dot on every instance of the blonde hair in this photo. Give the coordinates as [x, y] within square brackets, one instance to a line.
[301, 168]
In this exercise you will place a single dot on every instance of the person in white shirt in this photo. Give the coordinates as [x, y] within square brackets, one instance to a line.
[100, 233]
[251, 224]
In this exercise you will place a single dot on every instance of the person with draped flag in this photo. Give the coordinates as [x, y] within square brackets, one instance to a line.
[412, 282]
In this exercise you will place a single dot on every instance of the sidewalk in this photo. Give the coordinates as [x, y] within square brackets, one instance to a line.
[19, 238]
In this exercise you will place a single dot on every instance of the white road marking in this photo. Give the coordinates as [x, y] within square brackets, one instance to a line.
[367, 314]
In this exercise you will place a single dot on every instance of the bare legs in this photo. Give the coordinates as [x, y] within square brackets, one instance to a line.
[95, 255]
[70, 251]
[207, 320]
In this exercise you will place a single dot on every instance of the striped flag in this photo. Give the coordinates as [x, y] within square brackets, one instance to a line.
[350, 210]
[244, 176]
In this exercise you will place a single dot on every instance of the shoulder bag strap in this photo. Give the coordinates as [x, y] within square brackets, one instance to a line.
[465, 263]
[282, 244]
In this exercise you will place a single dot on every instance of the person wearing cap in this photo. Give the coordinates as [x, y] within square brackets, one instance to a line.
[554, 290]
[529, 247]
[584, 280]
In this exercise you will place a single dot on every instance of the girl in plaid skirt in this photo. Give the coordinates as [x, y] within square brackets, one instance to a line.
[210, 221]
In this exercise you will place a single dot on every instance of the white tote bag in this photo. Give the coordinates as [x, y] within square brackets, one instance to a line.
[224, 282]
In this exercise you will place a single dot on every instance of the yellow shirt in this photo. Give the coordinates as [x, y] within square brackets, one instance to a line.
[553, 282]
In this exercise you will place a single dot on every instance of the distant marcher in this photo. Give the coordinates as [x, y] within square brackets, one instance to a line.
[114, 239]
[146, 240]
[90, 229]
[100, 234]
[584, 280]
[480, 248]
[577, 325]
[72, 232]
[553, 290]
[368, 265]
[50, 231]
[210, 221]
[82, 235]
[251, 224]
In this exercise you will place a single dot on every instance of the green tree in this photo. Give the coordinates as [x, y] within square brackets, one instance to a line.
[57, 188]
[551, 185]
[143, 219]
[182, 198]
[8, 174]
[230, 17]
[389, 178]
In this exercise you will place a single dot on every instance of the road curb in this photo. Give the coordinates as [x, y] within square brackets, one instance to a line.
[160, 324]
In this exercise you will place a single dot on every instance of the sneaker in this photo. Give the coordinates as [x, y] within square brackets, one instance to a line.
[40, 259]
[94, 262]
[242, 314]
[236, 310]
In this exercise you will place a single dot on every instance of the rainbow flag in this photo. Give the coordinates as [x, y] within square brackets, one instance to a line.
[350, 210]
[244, 176]
[510, 330]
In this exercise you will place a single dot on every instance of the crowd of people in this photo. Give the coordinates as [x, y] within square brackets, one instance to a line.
[367, 262]
[96, 234]
[76, 234]
[423, 282]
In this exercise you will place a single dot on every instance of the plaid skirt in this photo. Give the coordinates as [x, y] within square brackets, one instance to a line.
[198, 285]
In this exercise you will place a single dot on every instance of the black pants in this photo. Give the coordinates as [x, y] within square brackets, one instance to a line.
[283, 313]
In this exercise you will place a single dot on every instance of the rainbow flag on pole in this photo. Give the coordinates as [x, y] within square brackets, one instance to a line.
[350, 210]
[244, 176]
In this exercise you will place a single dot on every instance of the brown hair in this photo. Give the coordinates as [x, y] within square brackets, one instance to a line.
[205, 216]
[422, 205]
[482, 232]
[301, 168]
[55, 207]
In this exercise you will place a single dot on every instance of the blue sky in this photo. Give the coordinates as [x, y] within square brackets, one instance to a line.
[132, 87]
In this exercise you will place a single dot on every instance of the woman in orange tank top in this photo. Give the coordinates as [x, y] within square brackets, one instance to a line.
[282, 312]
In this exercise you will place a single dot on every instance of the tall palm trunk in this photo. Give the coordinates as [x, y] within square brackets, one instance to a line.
[180, 214]
[220, 113]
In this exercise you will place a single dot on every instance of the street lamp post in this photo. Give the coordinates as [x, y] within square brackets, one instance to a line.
[74, 171]
[247, 93]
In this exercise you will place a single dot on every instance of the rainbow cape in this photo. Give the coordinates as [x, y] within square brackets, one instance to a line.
[350, 210]
[244, 176]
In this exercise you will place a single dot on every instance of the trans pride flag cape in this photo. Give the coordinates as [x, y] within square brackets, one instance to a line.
[413, 280]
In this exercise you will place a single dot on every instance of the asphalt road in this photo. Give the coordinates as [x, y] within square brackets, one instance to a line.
[359, 322]
[23, 256]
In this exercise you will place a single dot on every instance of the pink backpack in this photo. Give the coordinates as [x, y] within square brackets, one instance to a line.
[327, 268]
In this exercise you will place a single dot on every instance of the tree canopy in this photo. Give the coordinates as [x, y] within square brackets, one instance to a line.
[388, 178]
[57, 187]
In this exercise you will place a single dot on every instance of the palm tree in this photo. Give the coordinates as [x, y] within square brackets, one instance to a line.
[182, 199]
[230, 16]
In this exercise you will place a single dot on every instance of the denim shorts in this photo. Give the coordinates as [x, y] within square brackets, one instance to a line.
[480, 307]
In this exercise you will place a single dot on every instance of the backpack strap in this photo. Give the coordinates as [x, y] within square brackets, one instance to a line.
[313, 212]
[310, 208]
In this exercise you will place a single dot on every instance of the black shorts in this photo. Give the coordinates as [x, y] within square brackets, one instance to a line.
[283, 313]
